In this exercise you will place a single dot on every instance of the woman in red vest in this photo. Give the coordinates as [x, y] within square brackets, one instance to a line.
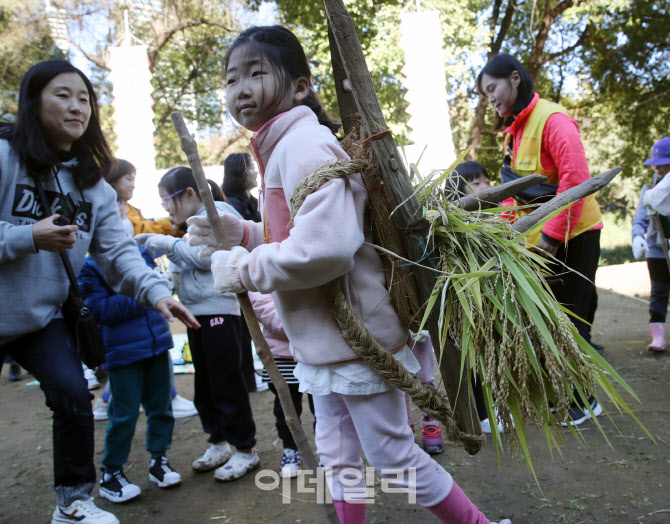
[540, 137]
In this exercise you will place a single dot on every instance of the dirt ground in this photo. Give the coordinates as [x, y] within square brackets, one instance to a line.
[624, 481]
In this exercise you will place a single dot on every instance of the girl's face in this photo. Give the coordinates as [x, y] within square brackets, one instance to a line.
[64, 110]
[476, 185]
[253, 90]
[251, 176]
[180, 206]
[661, 171]
[125, 185]
[501, 92]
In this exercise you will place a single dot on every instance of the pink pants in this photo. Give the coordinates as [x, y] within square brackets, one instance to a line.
[423, 351]
[376, 425]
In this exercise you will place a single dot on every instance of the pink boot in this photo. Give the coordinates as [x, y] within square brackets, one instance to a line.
[658, 337]
[456, 508]
[349, 513]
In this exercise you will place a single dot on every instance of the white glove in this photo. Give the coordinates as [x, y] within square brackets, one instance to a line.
[157, 244]
[422, 336]
[639, 246]
[226, 270]
[202, 234]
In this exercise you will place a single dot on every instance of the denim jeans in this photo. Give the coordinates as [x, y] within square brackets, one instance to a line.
[50, 355]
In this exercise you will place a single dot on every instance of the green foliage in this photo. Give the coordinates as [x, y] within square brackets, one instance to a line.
[606, 61]
[378, 29]
[24, 41]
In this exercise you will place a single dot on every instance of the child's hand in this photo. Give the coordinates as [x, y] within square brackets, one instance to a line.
[226, 270]
[202, 234]
[155, 243]
[171, 308]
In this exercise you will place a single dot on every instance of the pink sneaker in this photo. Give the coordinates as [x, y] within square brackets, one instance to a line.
[433, 444]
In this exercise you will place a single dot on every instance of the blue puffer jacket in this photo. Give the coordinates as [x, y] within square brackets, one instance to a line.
[131, 332]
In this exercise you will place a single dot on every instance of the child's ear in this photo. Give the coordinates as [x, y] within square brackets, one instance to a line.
[302, 89]
[190, 193]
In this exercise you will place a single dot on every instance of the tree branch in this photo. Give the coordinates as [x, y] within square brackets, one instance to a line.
[504, 27]
[164, 36]
[99, 61]
[570, 49]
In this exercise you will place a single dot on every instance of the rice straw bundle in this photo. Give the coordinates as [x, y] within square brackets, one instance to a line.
[495, 304]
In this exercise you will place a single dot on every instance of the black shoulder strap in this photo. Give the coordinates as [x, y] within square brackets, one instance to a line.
[63, 255]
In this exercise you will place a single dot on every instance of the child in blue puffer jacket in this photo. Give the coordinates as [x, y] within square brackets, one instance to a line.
[137, 340]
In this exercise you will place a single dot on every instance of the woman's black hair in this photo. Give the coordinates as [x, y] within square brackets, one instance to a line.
[283, 51]
[29, 139]
[180, 178]
[502, 66]
[463, 173]
[120, 168]
[234, 171]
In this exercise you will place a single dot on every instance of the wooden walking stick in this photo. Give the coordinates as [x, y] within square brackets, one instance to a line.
[190, 148]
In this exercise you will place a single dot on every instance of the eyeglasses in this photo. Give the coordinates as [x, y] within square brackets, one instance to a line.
[164, 201]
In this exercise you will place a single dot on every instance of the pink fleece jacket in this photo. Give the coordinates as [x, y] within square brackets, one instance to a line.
[329, 238]
[273, 331]
[561, 150]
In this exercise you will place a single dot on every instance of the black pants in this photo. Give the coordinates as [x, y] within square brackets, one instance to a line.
[577, 292]
[50, 355]
[221, 396]
[660, 287]
[280, 420]
[248, 371]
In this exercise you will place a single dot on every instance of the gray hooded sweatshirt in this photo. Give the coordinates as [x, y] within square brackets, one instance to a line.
[33, 284]
[197, 291]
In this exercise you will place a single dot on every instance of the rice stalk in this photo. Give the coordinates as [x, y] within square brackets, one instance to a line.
[513, 335]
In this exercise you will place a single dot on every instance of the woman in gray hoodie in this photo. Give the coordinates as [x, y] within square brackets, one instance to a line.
[57, 140]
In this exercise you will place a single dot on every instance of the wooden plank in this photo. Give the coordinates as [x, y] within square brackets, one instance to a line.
[345, 98]
[569, 196]
[494, 195]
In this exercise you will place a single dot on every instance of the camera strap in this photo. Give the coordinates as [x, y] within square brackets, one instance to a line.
[63, 255]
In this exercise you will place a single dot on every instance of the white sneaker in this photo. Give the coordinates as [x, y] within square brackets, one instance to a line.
[215, 456]
[260, 385]
[182, 408]
[83, 512]
[90, 377]
[100, 409]
[237, 466]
